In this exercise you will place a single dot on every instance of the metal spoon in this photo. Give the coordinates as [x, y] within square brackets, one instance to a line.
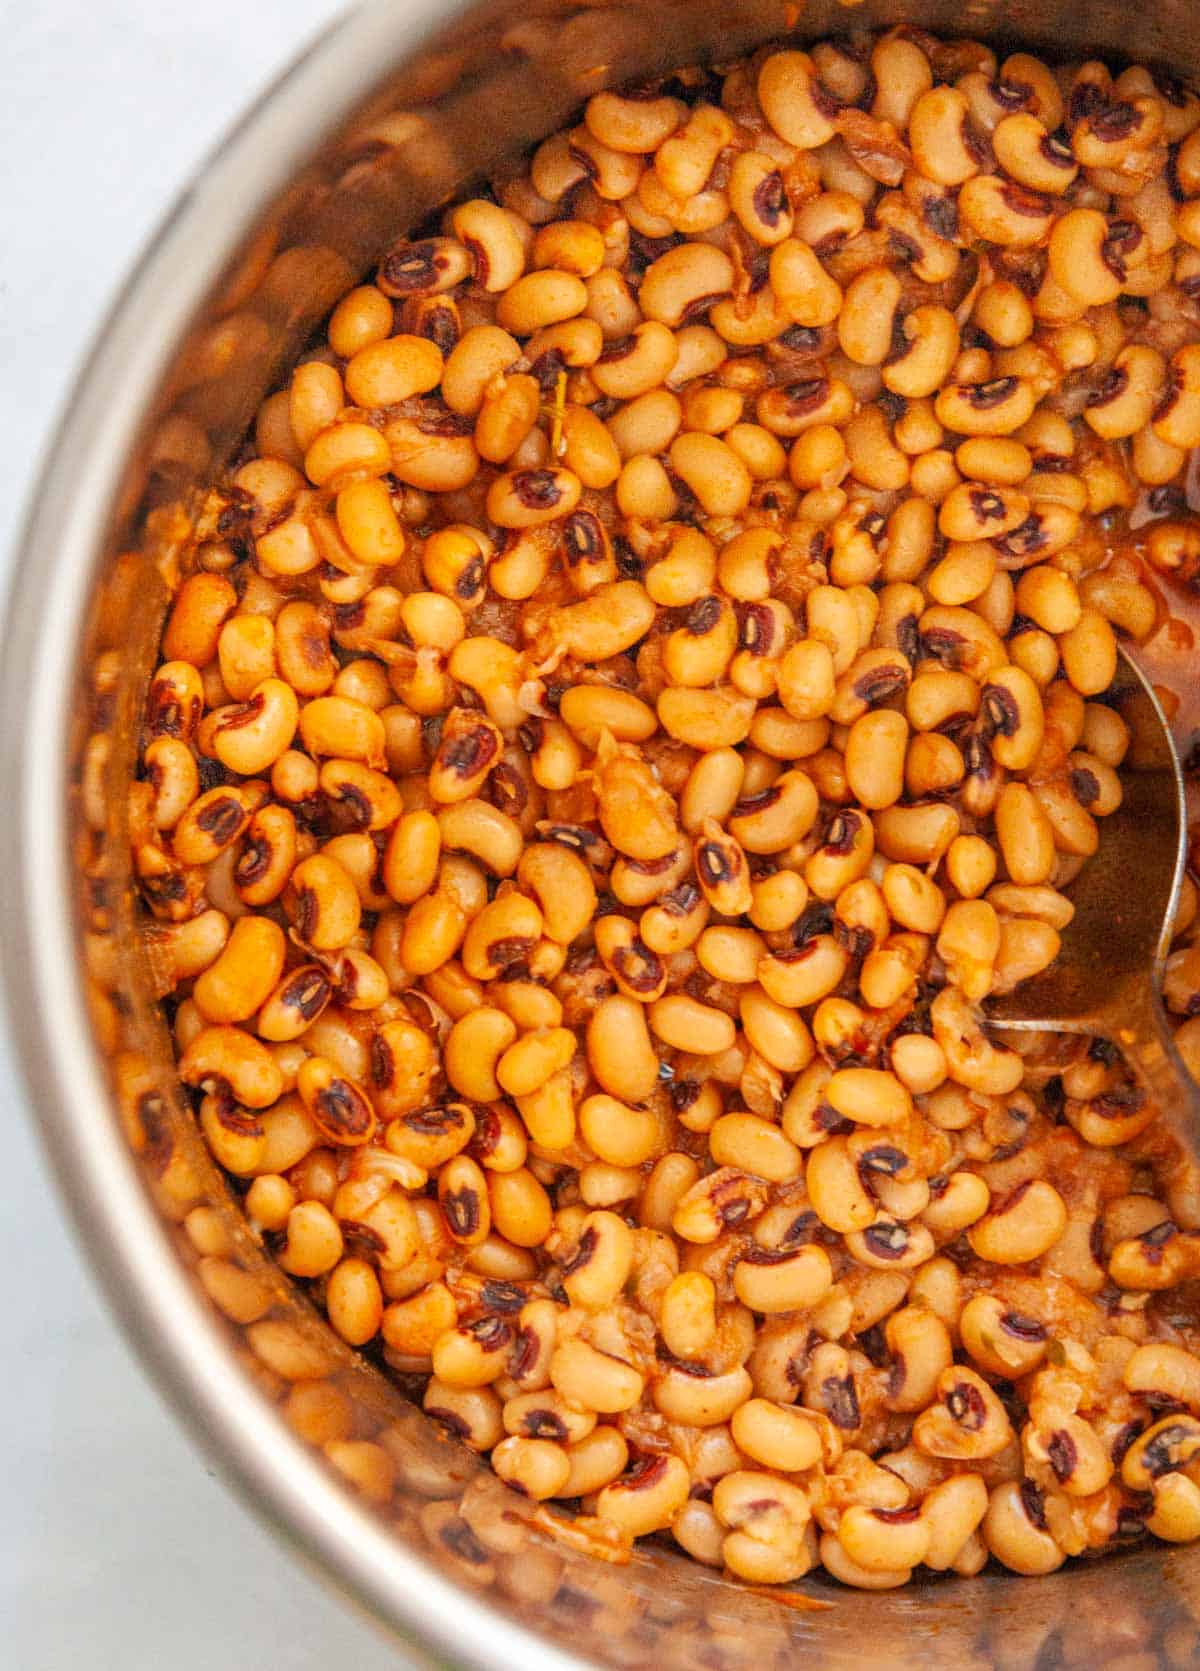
[1105, 981]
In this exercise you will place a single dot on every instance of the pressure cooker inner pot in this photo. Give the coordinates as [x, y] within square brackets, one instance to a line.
[480, 90]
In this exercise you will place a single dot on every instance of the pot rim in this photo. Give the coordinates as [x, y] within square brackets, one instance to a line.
[55, 563]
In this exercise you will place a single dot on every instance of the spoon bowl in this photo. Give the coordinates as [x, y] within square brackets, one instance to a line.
[1106, 979]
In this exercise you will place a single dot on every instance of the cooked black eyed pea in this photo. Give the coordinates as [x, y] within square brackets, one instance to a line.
[211, 824]
[929, 342]
[874, 756]
[758, 197]
[844, 855]
[647, 1497]
[979, 511]
[684, 282]
[600, 1264]
[240, 980]
[228, 1059]
[920, 1350]
[968, 1422]
[638, 971]
[953, 1512]
[1162, 1371]
[1005, 213]
[865, 321]
[775, 817]
[370, 798]
[1169, 1445]
[1176, 420]
[1094, 784]
[175, 700]
[882, 1540]
[722, 1201]
[890, 1245]
[428, 1137]
[1014, 1529]
[1130, 395]
[996, 407]
[806, 974]
[530, 498]
[1022, 1226]
[770, 1280]
[1067, 1451]
[722, 871]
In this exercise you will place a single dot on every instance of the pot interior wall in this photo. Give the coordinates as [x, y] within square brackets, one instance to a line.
[497, 78]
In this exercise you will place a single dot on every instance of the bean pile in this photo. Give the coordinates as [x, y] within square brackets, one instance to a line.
[640, 691]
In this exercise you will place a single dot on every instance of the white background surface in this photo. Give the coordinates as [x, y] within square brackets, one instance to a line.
[118, 1549]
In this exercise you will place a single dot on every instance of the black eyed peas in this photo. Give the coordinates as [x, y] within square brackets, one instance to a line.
[658, 691]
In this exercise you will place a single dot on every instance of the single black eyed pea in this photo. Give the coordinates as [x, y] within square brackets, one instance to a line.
[875, 756]
[596, 1461]
[531, 498]
[326, 908]
[521, 1211]
[777, 1033]
[953, 1511]
[1130, 395]
[234, 1136]
[619, 1050]
[804, 976]
[967, 1423]
[921, 1351]
[243, 975]
[968, 944]
[1176, 422]
[1164, 1371]
[594, 1380]
[473, 1354]
[1031, 156]
[684, 1023]
[562, 885]
[1176, 1515]
[713, 471]
[473, 1049]
[648, 1497]
[919, 1063]
[834, 1186]
[930, 344]
[1025, 834]
[226, 1056]
[538, 1468]
[1066, 1451]
[997, 407]
[502, 935]
[699, 1400]
[712, 786]
[355, 1300]
[754, 1145]
[865, 322]
[369, 797]
[1022, 1226]
[771, 1280]
[688, 275]
[687, 1317]
[776, 1435]
[598, 1267]
[880, 1540]
[721, 1201]
[1014, 1529]
[1170, 1444]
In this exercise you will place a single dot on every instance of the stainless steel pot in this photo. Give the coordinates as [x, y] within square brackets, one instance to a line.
[395, 107]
